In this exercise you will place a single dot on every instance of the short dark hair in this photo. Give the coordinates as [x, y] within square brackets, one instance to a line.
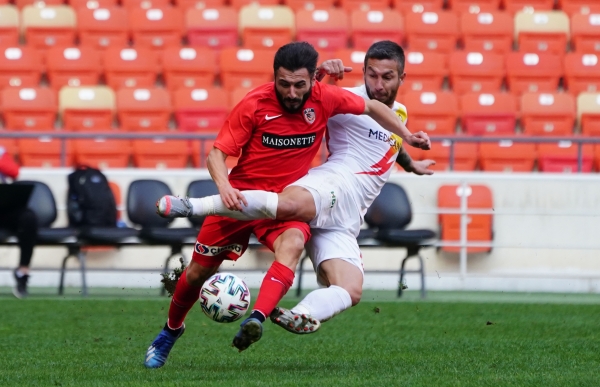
[295, 56]
[386, 49]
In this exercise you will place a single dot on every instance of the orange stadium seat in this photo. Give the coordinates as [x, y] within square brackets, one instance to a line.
[130, 67]
[493, 114]
[200, 109]
[507, 156]
[212, 27]
[564, 156]
[432, 31]
[418, 6]
[465, 156]
[241, 67]
[588, 113]
[533, 72]
[268, 27]
[9, 145]
[548, 114]
[20, 67]
[542, 31]
[583, 7]
[161, 153]
[199, 4]
[237, 4]
[426, 71]
[92, 4]
[514, 6]
[432, 112]
[9, 25]
[44, 152]
[326, 29]
[189, 67]
[364, 5]
[474, 6]
[479, 227]
[73, 66]
[354, 59]
[29, 109]
[476, 71]
[309, 5]
[582, 72]
[490, 31]
[200, 151]
[585, 32]
[103, 27]
[144, 109]
[87, 108]
[37, 3]
[102, 153]
[145, 4]
[369, 27]
[156, 28]
[237, 95]
[49, 26]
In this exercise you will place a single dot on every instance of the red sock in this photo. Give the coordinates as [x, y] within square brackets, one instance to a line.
[275, 285]
[184, 298]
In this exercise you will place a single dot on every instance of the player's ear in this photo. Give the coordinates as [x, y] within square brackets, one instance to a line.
[402, 77]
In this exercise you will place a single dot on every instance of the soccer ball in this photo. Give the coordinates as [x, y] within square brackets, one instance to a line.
[224, 297]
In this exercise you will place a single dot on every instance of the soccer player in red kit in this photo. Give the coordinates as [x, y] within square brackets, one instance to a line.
[278, 128]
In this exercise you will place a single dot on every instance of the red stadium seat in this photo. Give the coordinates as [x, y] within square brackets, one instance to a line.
[542, 31]
[490, 114]
[474, 6]
[145, 4]
[92, 4]
[514, 6]
[533, 72]
[156, 28]
[73, 66]
[426, 70]
[49, 26]
[583, 7]
[199, 4]
[563, 157]
[326, 29]
[418, 6]
[200, 151]
[87, 108]
[465, 155]
[490, 31]
[237, 4]
[245, 67]
[44, 152]
[9, 145]
[212, 27]
[9, 26]
[201, 109]
[237, 95]
[432, 112]
[20, 67]
[309, 5]
[102, 153]
[354, 59]
[372, 26]
[432, 31]
[266, 26]
[507, 156]
[476, 72]
[130, 67]
[585, 33]
[103, 27]
[588, 113]
[29, 109]
[548, 114]
[144, 109]
[364, 5]
[582, 72]
[189, 67]
[161, 153]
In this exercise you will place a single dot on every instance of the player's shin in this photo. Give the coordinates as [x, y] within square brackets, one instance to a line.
[324, 303]
[183, 300]
[261, 205]
[275, 285]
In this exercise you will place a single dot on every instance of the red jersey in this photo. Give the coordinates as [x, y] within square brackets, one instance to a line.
[278, 147]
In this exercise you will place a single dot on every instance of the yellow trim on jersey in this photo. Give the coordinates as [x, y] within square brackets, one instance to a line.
[395, 142]
[401, 112]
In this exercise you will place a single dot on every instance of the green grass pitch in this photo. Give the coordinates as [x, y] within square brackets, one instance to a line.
[445, 341]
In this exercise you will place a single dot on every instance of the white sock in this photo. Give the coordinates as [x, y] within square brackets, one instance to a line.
[261, 205]
[324, 303]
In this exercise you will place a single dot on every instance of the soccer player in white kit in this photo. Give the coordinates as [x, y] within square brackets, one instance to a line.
[334, 197]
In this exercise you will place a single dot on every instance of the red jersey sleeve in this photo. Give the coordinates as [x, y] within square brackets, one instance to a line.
[8, 166]
[237, 129]
[343, 101]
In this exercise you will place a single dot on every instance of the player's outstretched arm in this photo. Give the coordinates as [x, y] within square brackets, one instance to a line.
[410, 165]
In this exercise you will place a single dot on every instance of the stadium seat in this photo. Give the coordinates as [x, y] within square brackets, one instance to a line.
[476, 72]
[474, 7]
[465, 156]
[354, 59]
[427, 70]
[20, 67]
[597, 157]
[372, 26]
[200, 109]
[29, 108]
[585, 33]
[44, 152]
[160, 153]
[9, 145]
[542, 31]
[49, 26]
[37, 3]
[563, 156]
[507, 156]
[130, 67]
[309, 5]
[514, 6]
[432, 31]
[326, 29]
[491, 114]
[432, 112]
[190, 67]
[145, 4]
[200, 150]
[490, 31]
[212, 27]
[156, 28]
[582, 7]
[588, 113]
[364, 5]
[582, 73]
[237, 95]
[9, 26]
[533, 72]
[548, 114]
[266, 27]
[199, 4]
[92, 4]
[102, 153]
[73, 66]
[238, 4]
[144, 109]
[87, 108]
[418, 6]
[479, 226]
[103, 27]
[245, 68]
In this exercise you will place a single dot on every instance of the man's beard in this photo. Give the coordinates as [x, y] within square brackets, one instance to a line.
[301, 100]
[389, 101]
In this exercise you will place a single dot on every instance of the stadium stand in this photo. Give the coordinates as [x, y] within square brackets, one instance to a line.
[160, 154]
[563, 157]
[432, 31]
[213, 27]
[266, 27]
[143, 109]
[73, 66]
[200, 151]
[542, 31]
[238, 4]
[354, 59]
[20, 67]
[474, 7]
[198, 4]
[236, 95]
[433, 112]
[507, 156]
[309, 5]
[245, 67]
[37, 3]
[582, 72]
[200, 110]
[44, 152]
[87, 108]
[427, 70]
[488, 113]
[548, 114]
[514, 6]
[326, 29]
[29, 108]
[156, 28]
[363, 5]
[583, 7]
[103, 27]
[191, 67]
[9, 25]
[369, 27]
[102, 153]
[490, 31]
[588, 113]
[585, 32]
[476, 72]
[533, 72]
[49, 26]
[465, 156]
[92, 4]
[130, 67]
[145, 4]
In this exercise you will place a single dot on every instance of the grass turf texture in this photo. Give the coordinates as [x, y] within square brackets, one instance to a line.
[51, 341]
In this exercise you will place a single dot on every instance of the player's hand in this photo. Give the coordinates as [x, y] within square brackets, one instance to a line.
[232, 198]
[422, 167]
[419, 140]
[334, 68]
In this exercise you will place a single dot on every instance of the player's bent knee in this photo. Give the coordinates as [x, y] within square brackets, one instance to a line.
[286, 208]
[355, 294]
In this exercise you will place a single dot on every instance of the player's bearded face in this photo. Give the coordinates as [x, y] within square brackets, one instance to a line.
[293, 88]
[382, 80]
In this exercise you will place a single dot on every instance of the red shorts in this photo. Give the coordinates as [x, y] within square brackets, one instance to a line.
[224, 238]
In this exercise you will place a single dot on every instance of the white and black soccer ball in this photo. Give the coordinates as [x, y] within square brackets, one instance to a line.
[224, 297]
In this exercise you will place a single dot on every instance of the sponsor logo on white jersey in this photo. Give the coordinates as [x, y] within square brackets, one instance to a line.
[212, 251]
